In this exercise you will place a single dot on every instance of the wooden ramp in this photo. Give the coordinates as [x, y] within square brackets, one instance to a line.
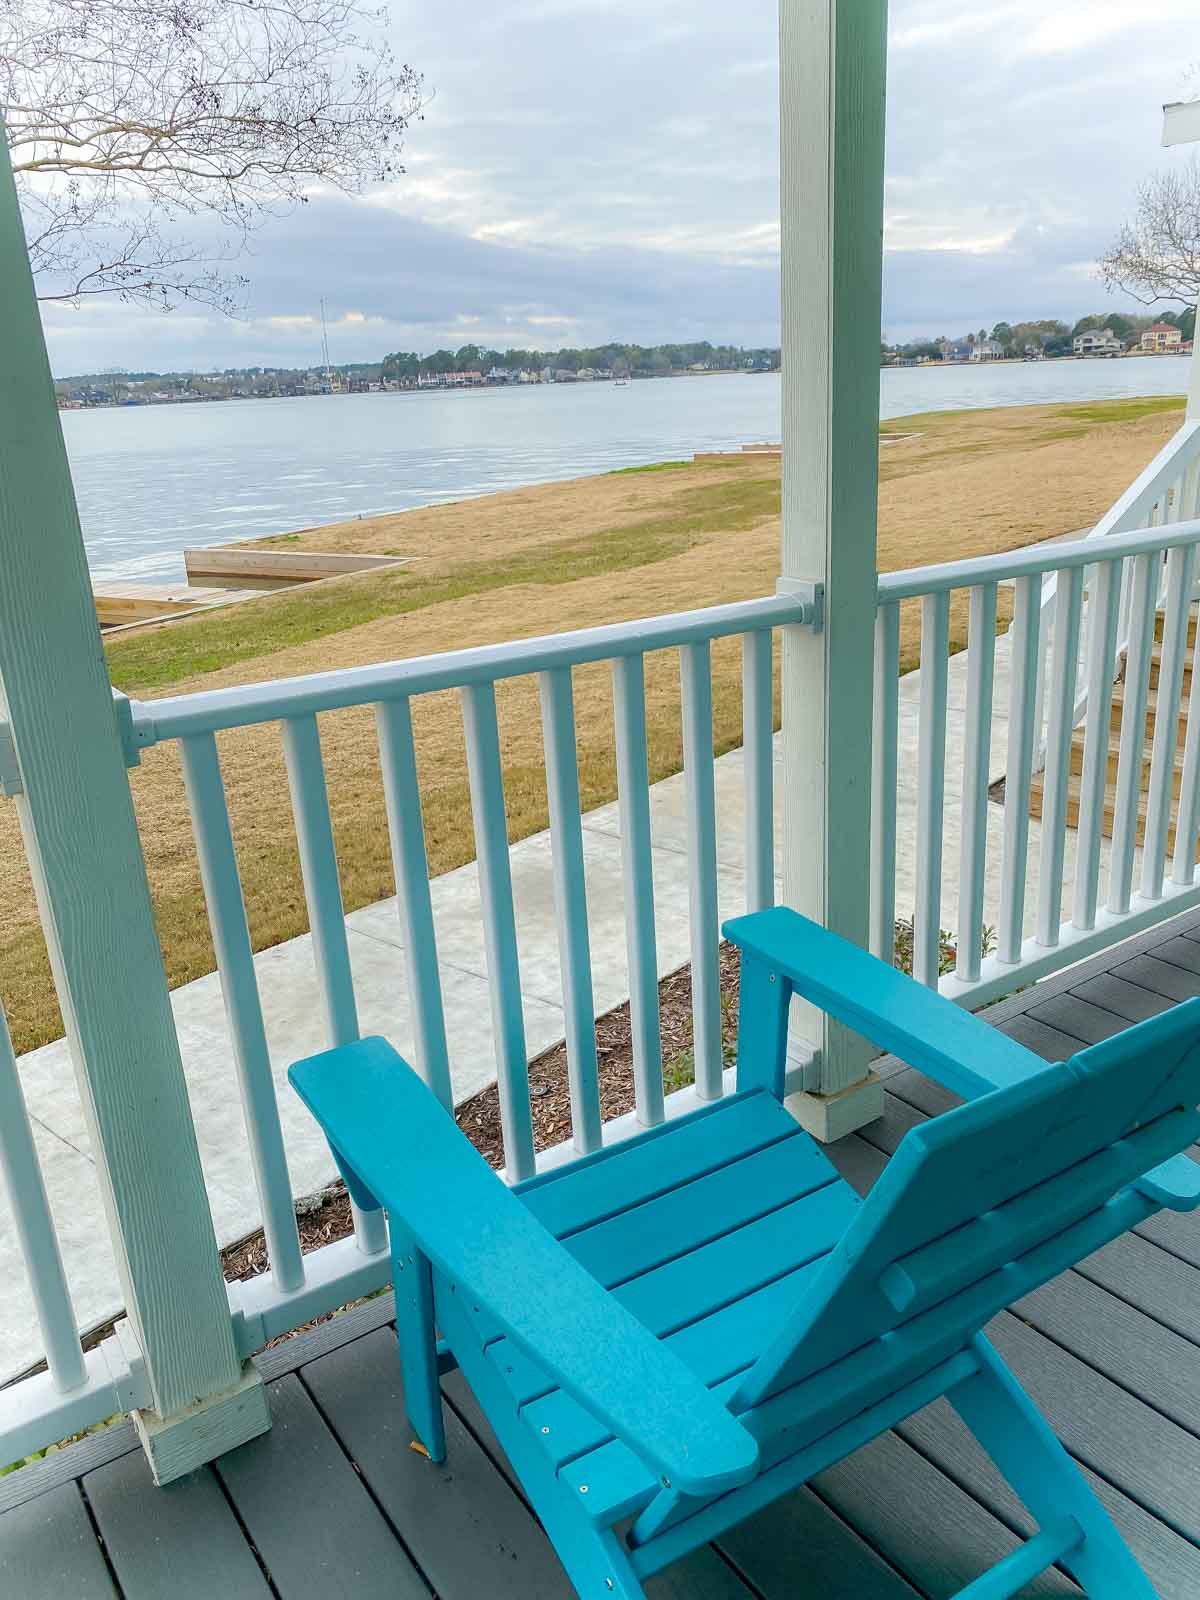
[333, 1501]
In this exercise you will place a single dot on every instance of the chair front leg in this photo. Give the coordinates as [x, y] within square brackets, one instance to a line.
[415, 1330]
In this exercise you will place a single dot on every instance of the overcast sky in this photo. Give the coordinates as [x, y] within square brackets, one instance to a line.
[608, 169]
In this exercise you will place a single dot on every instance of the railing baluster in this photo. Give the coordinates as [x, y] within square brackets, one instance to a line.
[1104, 598]
[326, 916]
[1061, 693]
[981, 659]
[406, 829]
[931, 769]
[243, 1006]
[1181, 575]
[696, 677]
[1191, 491]
[1183, 865]
[35, 1229]
[322, 888]
[570, 904]
[499, 926]
[637, 876]
[884, 738]
[1140, 630]
[758, 755]
[1022, 696]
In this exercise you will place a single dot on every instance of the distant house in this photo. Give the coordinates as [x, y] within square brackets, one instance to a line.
[956, 352]
[565, 375]
[986, 350]
[1163, 336]
[1097, 342]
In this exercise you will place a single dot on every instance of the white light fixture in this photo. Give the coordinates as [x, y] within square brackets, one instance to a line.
[1181, 122]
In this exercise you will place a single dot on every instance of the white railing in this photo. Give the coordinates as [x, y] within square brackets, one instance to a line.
[1031, 934]
[78, 1389]
[300, 1287]
[1166, 492]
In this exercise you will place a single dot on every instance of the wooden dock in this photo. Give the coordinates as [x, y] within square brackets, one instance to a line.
[277, 568]
[119, 603]
[224, 576]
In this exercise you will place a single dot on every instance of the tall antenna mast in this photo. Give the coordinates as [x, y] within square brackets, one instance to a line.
[325, 341]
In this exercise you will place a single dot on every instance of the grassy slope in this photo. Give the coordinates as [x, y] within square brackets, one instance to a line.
[532, 561]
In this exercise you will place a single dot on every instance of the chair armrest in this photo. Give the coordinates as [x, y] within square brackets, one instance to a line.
[1175, 1184]
[399, 1144]
[928, 1031]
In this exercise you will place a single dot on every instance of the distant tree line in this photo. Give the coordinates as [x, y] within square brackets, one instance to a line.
[1047, 336]
[634, 360]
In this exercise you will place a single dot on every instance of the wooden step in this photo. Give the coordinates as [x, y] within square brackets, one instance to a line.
[1074, 787]
[1118, 711]
[1160, 623]
[1156, 669]
[1114, 750]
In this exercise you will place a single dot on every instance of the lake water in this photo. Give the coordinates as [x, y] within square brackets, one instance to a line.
[153, 480]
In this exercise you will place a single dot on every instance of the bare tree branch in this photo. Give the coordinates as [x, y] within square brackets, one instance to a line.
[127, 118]
[1157, 255]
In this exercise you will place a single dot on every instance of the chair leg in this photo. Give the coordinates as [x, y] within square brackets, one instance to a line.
[418, 1342]
[595, 1559]
[1023, 1445]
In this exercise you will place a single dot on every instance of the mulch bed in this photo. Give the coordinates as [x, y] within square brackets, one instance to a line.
[326, 1217]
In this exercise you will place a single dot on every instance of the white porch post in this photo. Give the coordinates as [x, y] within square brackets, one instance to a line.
[832, 70]
[85, 856]
[1181, 125]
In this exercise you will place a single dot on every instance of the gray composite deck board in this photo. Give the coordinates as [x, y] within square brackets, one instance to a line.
[333, 1498]
[801, 1547]
[466, 1528]
[48, 1547]
[182, 1540]
[1121, 998]
[276, 1483]
[935, 1533]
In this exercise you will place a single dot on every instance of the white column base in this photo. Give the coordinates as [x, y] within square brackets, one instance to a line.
[198, 1434]
[832, 1116]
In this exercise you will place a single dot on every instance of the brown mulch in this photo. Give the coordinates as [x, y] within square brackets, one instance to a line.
[326, 1217]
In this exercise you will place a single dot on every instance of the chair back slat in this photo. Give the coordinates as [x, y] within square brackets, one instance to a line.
[987, 1184]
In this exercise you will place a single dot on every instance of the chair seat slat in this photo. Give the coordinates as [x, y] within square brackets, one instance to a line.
[672, 1154]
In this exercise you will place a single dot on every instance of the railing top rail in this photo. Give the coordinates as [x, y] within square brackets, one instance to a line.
[1037, 559]
[211, 711]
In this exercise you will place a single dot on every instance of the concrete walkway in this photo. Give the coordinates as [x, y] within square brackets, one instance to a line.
[287, 980]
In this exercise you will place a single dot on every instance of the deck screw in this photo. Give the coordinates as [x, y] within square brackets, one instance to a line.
[771, 978]
[583, 1488]
[545, 1430]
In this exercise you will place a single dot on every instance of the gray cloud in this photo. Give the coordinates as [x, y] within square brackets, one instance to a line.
[591, 169]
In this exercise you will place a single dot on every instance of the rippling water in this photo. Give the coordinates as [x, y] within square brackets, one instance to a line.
[153, 480]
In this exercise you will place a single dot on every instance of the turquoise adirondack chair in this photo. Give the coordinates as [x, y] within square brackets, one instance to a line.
[670, 1333]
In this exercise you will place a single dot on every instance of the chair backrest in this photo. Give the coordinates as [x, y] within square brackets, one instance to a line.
[982, 1187]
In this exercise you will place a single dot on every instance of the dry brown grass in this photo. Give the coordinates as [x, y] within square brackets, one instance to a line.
[515, 565]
